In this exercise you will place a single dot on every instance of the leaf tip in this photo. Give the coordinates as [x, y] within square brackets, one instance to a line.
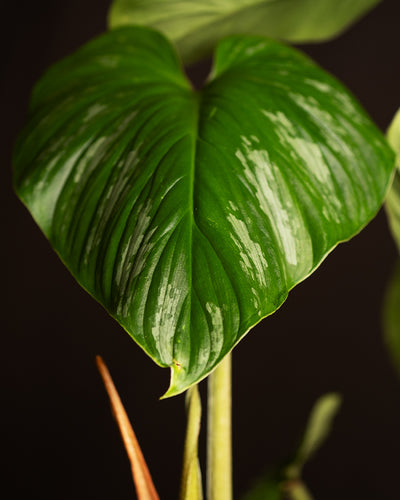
[177, 383]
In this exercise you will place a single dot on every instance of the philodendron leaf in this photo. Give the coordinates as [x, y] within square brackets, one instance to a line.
[393, 198]
[190, 215]
[196, 27]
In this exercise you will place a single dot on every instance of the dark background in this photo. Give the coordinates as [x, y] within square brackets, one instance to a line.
[58, 439]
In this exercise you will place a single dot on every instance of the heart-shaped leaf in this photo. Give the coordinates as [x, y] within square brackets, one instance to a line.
[393, 198]
[190, 215]
[196, 27]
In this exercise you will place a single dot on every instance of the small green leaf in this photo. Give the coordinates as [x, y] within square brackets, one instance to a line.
[197, 27]
[190, 215]
[284, 481]
[298, 491]
[391, 317]
[191, 488]
[393, 198]
[317, 430]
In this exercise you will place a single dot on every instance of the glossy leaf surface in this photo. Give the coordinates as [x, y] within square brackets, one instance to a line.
[196, 27]
[393, 198]
[190, 215]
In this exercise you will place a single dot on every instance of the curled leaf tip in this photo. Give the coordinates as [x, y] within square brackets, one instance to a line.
[175, 386]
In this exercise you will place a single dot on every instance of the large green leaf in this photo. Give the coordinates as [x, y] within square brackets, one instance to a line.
[196, 27]
[190, 215]
[393, 198]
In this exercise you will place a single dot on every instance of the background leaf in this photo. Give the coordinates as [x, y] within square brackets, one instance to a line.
[317, 430]
[393, 198]
[196, 27]
[391, 317]
[284, 481]
[190, 215]
[266, 488]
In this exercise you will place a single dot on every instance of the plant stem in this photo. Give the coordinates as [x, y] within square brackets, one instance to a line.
[191, 488]
[219, 435]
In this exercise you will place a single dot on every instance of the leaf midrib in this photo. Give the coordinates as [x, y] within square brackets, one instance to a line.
[196, 100]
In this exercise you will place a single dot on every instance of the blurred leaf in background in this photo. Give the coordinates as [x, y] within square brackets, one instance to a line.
[391, 306]
[196, 27]
[285, 482]
[393, 198]
[391, 317]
